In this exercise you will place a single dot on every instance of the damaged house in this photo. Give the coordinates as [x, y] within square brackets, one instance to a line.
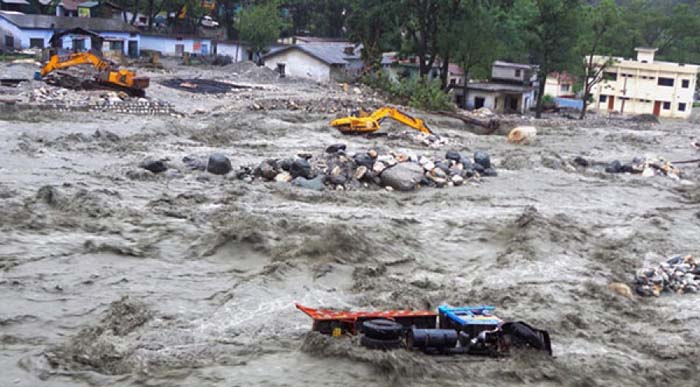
[321, 61]
[511, 89]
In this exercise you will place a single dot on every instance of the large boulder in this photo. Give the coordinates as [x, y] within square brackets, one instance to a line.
[402, 176]
[300, 168]
[483, 159]
[219, 164]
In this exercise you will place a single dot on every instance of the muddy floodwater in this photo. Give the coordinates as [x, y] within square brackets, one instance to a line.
[113, 276]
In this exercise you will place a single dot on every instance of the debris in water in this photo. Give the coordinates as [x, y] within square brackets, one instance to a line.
[339, 170]
[678, 274]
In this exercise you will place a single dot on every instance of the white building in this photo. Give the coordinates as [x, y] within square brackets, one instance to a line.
[560, 85]
[510, 90]
[22, 31]
[318, 61]
[645, 86]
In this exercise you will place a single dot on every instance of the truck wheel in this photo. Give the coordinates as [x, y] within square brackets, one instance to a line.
[382, 329]
[371, 343]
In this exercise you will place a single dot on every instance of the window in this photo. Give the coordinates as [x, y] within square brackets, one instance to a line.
[665, 81]
[608, 76]
[478, 102]
[565, 88]
[517, 73]
[9, 41]
[180, 49]
[603, 98]
[116, 45]
[78, 44]
[453, 81]
[681, 107]
[667, 106]
[36, 43]
[685, 83]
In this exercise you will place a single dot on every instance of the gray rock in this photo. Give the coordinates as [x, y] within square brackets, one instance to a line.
[300, 168]
[266, 170]
[364, 159]
[482, 158]
[453, 155]
[315, 184]
[581, 161]
[403, 176]
[490, 172]
[219, 164]
[155, 166]
[466, 163]
[614, 167]
[335, 148]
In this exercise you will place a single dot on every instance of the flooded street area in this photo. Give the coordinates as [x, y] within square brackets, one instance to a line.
[111, 275]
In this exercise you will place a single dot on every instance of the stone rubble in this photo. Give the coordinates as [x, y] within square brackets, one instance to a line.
[62, 99]
[678, 275]
[323, 105]
[340, 170]
[647, 167]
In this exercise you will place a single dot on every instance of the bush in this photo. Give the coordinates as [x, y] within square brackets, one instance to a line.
[548, 101]
[413, 92]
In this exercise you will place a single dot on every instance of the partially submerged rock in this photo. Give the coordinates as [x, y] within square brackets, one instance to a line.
[155, 166]
[219, 164]
[403, 176]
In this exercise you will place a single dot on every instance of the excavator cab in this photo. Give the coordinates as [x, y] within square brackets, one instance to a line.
[362, 122]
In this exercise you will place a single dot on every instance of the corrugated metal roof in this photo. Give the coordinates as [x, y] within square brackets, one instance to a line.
[502, 87]
[514, 65]
[88, 4]
[64, 22]
[21, 2]
[328, 52]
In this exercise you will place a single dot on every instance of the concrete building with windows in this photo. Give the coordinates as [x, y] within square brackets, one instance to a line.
[560, 85]
[20, 31]
[319, 61]
[511, 89]
[645, 86]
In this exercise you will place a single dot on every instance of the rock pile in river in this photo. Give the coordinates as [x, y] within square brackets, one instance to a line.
[646, 167]
[678, 274]
[338, 169]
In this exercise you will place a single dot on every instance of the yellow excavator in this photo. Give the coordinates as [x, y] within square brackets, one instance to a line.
[362, 122]
[107, 75]
[116, 78]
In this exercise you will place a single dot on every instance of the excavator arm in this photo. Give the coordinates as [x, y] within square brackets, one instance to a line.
[371, 123]
[55, 62]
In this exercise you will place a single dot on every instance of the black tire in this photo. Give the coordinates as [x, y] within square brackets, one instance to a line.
[382, 329]
[371, 343]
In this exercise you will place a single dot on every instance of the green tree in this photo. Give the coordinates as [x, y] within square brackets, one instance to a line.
[552, 34]
[598, 32]
[421, 26]
[476, 18]
[260, 26]
[373, 24]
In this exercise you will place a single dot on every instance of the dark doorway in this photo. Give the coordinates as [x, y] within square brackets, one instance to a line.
[657, 108]
[478, 102]
[133, 48]
[611, 102]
